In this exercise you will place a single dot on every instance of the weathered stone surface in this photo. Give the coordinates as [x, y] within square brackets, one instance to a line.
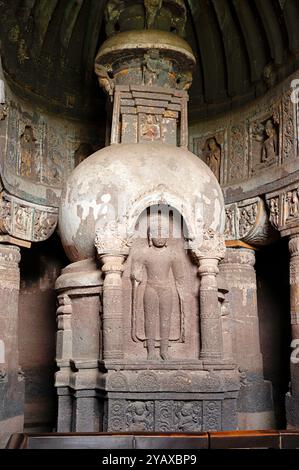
[123, 180]
[255, 396]
[11, 376]
[258, 143]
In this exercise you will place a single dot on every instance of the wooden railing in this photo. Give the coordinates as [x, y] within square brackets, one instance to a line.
[209, 440]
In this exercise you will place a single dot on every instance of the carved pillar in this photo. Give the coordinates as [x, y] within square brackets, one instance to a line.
[238, 270]
[210, 320]
[208, 255]
[292, 398]
[63, 355]
[78, 347]
[11, 378]
[255, 398]
[112, 307]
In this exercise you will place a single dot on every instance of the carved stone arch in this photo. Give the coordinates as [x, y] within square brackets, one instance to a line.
[193, 219]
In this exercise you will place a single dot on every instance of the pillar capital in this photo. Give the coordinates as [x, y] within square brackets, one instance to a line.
[208, 266]
[210, 247]
[112, 263]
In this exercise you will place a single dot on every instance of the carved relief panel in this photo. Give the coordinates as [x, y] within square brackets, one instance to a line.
[212, 149]
[261, 138]
[38, 151]
[284, 207]
[160, 286]
[26, 221]
[264, 144]
[165, 415]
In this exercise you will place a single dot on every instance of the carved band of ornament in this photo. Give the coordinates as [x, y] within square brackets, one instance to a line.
[26, 221]
[208, 269]
[10, 254]
[113, 268]
[294, 271]
[248, 221]
[294, 246]
[295, 318]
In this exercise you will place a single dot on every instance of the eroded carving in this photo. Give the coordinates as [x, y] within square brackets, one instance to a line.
[140, 416]
[28, 153]
[147, 381]
[117, 381]
[212, 246]
[265, 143]
[213, 156]
[237, 162]
[284, 207]
[212, 415]
[147, 15]
[26, 221]
[248, 221]
[188, 416]
[157, 260]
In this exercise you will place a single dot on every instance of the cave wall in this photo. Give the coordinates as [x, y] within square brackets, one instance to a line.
[40, 266]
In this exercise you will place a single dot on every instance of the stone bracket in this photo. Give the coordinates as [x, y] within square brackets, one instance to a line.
[26, 221]
[248, 221]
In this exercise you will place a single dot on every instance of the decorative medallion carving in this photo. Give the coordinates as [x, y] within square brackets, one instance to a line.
[180, 382]
[147, 382]
[117, 415]
[212, 415]
[117, 381]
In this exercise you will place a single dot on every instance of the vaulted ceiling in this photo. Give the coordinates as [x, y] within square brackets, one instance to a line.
[242, 47]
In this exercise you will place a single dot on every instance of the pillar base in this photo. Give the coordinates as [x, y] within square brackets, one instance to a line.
[292, 411]
[255, 406]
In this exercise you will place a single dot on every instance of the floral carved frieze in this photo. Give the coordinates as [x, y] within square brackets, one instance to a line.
[248, 221]
[284, 208]
[26, 221]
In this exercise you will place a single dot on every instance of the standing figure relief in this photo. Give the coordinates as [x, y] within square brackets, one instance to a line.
[157, 265]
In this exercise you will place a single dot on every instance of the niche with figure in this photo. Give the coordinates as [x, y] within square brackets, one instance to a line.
[264, 147]
[161, 285]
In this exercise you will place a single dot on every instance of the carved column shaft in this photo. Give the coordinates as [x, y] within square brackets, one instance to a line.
[294, 293]
[63, 355]
[11, 381]
[210, 320]
[112, 307]
[239, 273]
[255, 405]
